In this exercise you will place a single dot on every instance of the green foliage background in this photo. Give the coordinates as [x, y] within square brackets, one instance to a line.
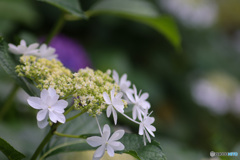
[163, 61]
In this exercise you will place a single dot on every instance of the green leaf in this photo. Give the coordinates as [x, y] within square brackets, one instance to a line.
[70, 146]
[141, 11]
[8, 64]
[135, 147]
[70, 6]
[9, 151]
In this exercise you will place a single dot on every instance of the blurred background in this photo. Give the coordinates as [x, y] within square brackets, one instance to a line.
[194, 91]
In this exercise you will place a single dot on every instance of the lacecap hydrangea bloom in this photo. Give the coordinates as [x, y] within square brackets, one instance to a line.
[92, 91]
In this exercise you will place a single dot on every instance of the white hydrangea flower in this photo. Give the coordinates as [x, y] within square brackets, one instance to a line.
[140, 103]
[46, 52]
[23, 49]
[114, 103]
[49, 106]
[123, 83]
[110, 144]
[145, 127]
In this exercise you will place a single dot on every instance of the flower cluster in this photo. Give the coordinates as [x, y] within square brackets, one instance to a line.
[46, 73]
[92, 92]
[116, 105]
[43, 51]
[90, 85]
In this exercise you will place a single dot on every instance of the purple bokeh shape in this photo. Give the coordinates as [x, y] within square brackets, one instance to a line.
[70, 52]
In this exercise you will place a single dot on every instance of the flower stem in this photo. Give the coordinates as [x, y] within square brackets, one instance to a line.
[45, 140]
[8, 101]
[58, 26]
[69, 135]
[129, 118]
[79, 114]
[69, 109]
[99, 127]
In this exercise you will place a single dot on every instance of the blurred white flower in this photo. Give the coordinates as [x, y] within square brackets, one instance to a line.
[140, 103]
[23, 49]
[195, 13]
[114, 103]
[49, 106]
[123, 83]
[110, 144]
[46, 52]
[145, 127]
[209, 95]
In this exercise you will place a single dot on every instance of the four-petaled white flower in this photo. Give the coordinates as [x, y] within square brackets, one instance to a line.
[123, 83]
[140, 103]
[46, 52]
[115, 103]
[110, 144]
[23, 49]
[145, 127]
[49, 106]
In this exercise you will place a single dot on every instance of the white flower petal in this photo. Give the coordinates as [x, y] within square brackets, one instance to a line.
[109, 110]
[134, 112]
[23, 43]
[51, 92]
[43, 47]
[148, 137]
[59, 106]
[115, 76]
[123, 78]
[44, 95]
[145, 105]
[106, 98]
[140, 113]
[41, 115]
[130, 97]
[135, 91]
[110, 151]
[151, 129]
[149, 120]
[119, 95]
[52, 100]
[116, 135]
[42, 124]
[141, 127]
[112, 93]
[114, 116]
[94, 141]
[53, 116]
[106, 132]
[60, 117]
[99, 152]
[35, 102]
[117, 146]
[144, 96]
[33, 46]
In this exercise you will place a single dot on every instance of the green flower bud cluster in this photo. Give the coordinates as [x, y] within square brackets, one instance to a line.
[90, 86]
[46, 73]
[86, 86]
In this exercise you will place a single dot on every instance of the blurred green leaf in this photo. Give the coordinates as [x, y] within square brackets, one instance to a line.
[134, 146]
[9, 151]
[70, 6]
[20, 11]
[8, 64]
[70, 146]
[141, 11]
